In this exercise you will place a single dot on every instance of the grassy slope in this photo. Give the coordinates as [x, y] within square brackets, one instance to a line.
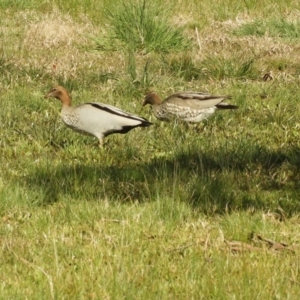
[147, 217]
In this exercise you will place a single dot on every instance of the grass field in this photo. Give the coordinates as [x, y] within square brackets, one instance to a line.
[174, 211]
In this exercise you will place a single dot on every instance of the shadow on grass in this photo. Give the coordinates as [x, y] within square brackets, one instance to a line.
[211, 182]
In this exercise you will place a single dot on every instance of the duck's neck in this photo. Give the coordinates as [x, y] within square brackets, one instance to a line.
[152, 99]
[65, 99]
[156, 100]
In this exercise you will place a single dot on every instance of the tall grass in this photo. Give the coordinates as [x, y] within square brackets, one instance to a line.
[211, 66]
[233, 67]
[145, 26]
[19, 4]
[273, 27]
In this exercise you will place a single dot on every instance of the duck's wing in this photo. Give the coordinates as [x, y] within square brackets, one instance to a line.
[117, 113]
[195, 100]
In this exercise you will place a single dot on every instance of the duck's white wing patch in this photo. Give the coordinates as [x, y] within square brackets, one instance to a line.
[100, 119]
[116, 111]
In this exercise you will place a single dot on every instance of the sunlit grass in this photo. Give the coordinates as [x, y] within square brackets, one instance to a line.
[141, 25]
[272, 27]
[150, 215]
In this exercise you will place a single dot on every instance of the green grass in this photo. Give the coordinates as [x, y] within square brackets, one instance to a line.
[277, 28]
[149, 216]
[142, 25]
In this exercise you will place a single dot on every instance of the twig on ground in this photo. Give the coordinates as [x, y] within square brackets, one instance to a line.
[237, 246]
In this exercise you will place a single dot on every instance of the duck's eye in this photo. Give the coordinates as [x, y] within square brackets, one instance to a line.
[54, 90]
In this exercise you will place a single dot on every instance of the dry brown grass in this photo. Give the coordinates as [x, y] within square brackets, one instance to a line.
[218, 37]
[56, 30]
[218, 40]
[58, 45]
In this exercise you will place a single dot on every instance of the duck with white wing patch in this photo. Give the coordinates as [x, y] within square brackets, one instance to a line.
[95, 119]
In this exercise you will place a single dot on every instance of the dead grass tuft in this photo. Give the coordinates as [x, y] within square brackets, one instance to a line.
[181, 19]
[218, 39]
[54, 42]
[56, 30]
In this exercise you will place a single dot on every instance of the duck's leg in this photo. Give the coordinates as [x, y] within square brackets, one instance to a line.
[101, 142]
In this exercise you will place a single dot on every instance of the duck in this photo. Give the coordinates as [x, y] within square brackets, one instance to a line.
[93, 118]
[187, 106]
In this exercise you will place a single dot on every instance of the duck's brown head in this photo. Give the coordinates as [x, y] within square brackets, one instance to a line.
[61, 94]
[152, 98]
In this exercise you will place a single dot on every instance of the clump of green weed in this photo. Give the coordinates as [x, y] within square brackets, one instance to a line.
[211, 66]
[184, 66]
[145, 26]
[234, 67]
[275, 28]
